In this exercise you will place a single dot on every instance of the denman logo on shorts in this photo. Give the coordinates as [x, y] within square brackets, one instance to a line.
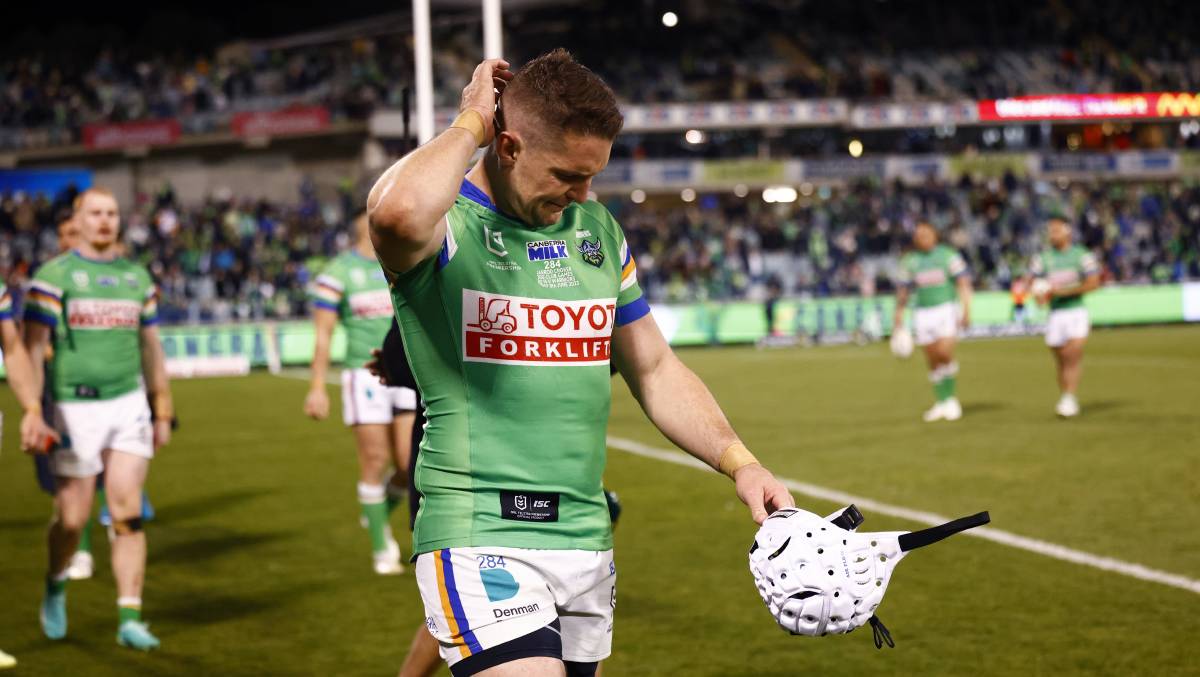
[538, 332]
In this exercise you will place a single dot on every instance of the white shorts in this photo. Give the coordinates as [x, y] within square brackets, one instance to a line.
[478, 598]
[365, 400]
[935, 322]
[1067, 324]
[89, 427]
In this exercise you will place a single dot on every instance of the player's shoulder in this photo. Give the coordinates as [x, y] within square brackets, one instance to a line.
[591, 215]
[55, 267]
[132, 269]
[336, 265]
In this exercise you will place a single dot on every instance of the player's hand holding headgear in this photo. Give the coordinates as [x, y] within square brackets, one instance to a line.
[818, 577]
[477, 112]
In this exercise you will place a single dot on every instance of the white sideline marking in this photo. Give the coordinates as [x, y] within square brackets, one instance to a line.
[987, 533]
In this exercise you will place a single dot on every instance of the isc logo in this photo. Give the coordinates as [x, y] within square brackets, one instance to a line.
[547, 250]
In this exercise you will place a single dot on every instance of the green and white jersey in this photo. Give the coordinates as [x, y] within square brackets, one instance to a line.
[355, 288]
[933, 273]
[508, 332]
[1065, 268]
[6, 305]
[97, 309]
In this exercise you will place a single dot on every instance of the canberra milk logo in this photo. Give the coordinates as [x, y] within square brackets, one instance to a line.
[547, 250]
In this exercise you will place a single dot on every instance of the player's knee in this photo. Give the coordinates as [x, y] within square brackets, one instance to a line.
[72, 521]
[125, 527]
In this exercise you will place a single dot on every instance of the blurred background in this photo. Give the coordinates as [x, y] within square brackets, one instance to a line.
[770, 147]
[776, 158]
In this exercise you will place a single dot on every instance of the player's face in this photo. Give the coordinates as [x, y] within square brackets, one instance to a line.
[68, 234]
[1060, 233]
[99, 220]
[548, 177]
[925, 238]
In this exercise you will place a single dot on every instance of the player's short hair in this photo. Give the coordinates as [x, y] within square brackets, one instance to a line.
[564, 95]
[94, 190]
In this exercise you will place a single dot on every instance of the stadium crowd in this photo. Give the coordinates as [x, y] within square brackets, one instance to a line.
[718, 52]
[229, 258]
[848, 240]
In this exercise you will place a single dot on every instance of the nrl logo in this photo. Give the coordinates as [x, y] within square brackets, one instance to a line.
[590, 252]
[521, 502]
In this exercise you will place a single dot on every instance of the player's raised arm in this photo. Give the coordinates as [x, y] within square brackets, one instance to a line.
[408, 204]
[682, 407]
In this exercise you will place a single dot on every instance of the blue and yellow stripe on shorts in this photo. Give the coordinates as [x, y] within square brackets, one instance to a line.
[452, 607]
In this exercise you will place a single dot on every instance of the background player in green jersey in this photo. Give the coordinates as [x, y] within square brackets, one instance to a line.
[511, 288]
[943, 305]
[352, 290]
[1063, 273]
[19, 374]
[82, 565]
[103, 310]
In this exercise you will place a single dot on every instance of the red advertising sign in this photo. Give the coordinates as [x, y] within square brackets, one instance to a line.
[306, 120]
[1091, 106]
[127, 134]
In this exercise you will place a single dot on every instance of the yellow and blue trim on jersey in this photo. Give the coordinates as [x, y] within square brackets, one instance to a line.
[326, 292]
[452, 608]
[43, 303]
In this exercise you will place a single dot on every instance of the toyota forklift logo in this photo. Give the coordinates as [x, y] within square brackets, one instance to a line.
[493, 314]
[521, 330]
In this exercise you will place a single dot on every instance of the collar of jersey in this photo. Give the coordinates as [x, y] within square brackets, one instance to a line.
[476, 195]
[91, 260]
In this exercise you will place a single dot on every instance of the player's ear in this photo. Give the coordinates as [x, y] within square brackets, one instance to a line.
[508, 147]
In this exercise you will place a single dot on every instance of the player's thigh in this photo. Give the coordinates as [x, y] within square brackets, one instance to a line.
[84, 432]
[374, 443]
[131, 428]
[931, 325]
[480, 602]
[73, 498]
[124, 476]
[1072, 350]
[587, 616]
[402, 426]
[535, 666]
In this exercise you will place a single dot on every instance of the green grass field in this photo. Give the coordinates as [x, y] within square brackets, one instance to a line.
[258, 565]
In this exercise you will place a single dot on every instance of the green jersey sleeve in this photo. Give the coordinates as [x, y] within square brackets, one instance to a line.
[149, 313]
[328, 290]
[1088, 264]
[955, 264]
[44, 301]
[1037, 266]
